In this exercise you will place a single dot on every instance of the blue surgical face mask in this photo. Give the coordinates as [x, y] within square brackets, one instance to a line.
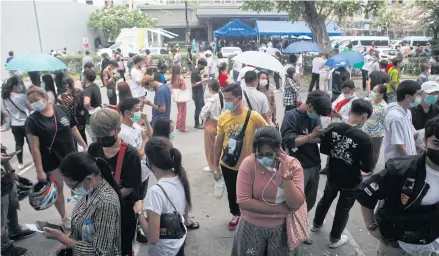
[312, 115]
[430, 99]
[172, 136]
[415, 103]
[43, 85]
[38, 105]
[348, 96]
[81, 192]
[266, 161]
[136, 116]
[373, 95]
[229, 106]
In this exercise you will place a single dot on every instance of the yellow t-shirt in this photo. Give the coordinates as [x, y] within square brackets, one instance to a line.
[395, 75]
[230, 126]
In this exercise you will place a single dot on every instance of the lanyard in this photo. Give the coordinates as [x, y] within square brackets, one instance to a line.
[56, 128]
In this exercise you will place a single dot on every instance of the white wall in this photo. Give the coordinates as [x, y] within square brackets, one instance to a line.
[63, 23]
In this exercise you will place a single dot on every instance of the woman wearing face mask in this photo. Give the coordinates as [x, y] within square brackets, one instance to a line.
[51, 130]
[106, 124]
[170, 194]
[178, 82]
[265, 87]
[15, 109]
[48, 85]
[374, 126]
[164, 128]
[291, 91]
[269, 186]
[210, 114]
[99, 201]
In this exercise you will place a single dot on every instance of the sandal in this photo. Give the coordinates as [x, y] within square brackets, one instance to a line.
[192, 225]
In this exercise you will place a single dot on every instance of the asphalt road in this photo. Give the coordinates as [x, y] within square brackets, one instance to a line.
[213, 238]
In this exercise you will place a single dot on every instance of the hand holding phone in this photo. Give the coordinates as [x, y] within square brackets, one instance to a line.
[41, 224]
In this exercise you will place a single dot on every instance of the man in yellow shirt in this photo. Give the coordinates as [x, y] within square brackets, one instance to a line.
[395, 75]
[229, 147]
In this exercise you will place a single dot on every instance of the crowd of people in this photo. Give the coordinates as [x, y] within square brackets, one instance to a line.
[106, 153]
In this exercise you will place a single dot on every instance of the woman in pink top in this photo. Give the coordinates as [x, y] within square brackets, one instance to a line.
[269, 186]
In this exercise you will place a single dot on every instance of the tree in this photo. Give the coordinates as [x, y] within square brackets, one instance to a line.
[111, 19]
[430, 17]
[189, 4]
[316, 13]
[398, 19]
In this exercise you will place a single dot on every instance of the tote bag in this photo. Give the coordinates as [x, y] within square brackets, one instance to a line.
[181, 95]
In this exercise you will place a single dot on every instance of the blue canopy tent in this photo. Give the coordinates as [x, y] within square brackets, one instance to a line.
[235, 28]
[288, 28]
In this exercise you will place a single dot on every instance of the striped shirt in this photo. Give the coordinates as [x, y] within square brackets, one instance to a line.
[102, 207]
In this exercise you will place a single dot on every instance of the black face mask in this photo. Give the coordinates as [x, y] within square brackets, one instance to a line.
[433, 155]
[106, 141]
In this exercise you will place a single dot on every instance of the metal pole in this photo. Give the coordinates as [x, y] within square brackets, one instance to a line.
[38, 27]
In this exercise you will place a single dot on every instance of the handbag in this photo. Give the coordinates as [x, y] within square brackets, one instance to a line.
[171, 225]
[297, 227]
[229, 157]
[181, 95]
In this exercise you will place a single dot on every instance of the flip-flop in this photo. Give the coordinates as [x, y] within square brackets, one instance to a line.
[193, 225]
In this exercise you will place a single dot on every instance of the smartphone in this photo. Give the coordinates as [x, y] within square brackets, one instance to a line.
[41, 224]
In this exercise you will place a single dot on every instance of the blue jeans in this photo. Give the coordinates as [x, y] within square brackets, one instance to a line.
[9, 218]
[235, 75]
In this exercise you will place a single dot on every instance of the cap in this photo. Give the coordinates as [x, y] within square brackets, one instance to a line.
[430, 86]
[383, 63]
[208, 52]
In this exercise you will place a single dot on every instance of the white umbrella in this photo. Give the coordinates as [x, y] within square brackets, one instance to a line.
[260, 60]
[304, 37]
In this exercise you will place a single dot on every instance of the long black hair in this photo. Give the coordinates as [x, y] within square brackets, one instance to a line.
[50, 84]
[160, 153]
[268, 79]
[79, 165]
[162, 128]
[383, 90]
[268, 135]
[8, 86]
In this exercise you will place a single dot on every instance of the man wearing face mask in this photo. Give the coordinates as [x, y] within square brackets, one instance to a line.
[406, 221]
[427, 109]
[349, 151]
[230, 125]
[341, 107]
[301, 130]
[399, 133]
[161, 108]
[106, 124]
[254, 99]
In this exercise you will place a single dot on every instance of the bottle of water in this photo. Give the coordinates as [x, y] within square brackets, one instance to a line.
[88, 231]
[73, 200]
[220, 187]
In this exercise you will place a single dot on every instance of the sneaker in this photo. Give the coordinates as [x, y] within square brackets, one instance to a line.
[67, 221]
[23, 234]
[207, 169]
[233, 223]
[141, 238]
[314, 228]
[21, 166]
[199, 126]
[343, 239]
[14, 251]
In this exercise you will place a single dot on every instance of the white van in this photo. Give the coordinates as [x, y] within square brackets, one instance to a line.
[412, 41]
[359, 42]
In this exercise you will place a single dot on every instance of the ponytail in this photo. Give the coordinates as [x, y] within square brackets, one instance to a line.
[383, 90]
[106, 174]
[181, 172]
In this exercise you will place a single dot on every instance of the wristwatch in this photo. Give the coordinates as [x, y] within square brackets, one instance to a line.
[372, 227]
[138, 214]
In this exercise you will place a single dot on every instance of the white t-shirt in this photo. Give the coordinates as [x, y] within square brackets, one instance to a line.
[432, 197]
[317, 64]
[157, 202]
[211, 65]
[136, 89]
[241, 75]
[367, 62]
[257, 99]
[133, 136]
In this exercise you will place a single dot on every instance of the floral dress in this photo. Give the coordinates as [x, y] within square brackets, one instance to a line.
[271, 101]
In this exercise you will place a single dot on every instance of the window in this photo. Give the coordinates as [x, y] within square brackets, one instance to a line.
[377, 42]
[354, 42]
[420, 42]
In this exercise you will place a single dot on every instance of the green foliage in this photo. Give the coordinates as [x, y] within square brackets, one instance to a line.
[74, 62]
[112, 19]
[397, 18]
[430, 15]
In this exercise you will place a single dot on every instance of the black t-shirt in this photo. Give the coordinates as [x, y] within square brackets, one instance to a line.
[378, 77]
[59, 76]
[94, 93]
[131, 173]
[195, 78]
[296, 123]
[420, 118]
[338, 77]
[350, 152]
[61, 134]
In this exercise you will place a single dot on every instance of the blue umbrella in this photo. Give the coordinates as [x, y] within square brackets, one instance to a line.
[344, 59]
[303, 46]
[35, 62]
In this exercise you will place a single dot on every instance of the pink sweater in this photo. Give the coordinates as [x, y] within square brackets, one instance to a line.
[253, 178]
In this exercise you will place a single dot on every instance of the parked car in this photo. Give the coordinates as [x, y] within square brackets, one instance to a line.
[156, 50]
[384, 53]
[230, 51]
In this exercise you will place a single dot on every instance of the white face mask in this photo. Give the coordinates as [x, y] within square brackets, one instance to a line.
[263, 82]
[38, 105]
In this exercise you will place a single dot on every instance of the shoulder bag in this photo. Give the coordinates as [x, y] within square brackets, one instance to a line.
[171, 225]
[123, 148]
[248, 102]
[181, 95]
[230, 157]
[19, 109]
